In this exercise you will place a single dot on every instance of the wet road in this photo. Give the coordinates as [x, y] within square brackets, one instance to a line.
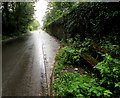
[27, 64]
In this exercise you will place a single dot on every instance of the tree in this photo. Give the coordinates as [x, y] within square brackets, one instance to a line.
[16, 17]
[57, 9]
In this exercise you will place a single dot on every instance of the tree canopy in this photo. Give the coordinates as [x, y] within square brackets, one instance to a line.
[56, 10]
[16, 17]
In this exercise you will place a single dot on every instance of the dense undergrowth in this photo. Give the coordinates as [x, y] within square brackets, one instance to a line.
[103, 81]
[88, 63]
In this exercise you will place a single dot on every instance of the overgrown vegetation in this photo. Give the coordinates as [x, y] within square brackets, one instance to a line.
[95, 20]
[17, 18]
[91, 43]
[74, 84]
[55, 10]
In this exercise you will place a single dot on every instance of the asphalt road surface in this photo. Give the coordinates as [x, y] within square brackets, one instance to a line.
[27, 64]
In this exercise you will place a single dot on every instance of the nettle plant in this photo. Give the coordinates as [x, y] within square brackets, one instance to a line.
[110, 73]
[76, 85]
[68, 55]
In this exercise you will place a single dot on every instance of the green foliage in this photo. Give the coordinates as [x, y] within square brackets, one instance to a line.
[111, 46]
[94, 19]
[80, 44]
[16, 17]
[34, 25]
[58, 67]
[110, 73]
[105, 19]
[68, 55]
[87, 24]
[55, 10]
[76, 85]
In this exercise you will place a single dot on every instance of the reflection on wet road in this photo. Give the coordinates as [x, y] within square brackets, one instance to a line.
[24, 70]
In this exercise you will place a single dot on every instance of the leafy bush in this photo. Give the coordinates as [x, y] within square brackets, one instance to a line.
[58, 67]
[74, 84]
[110, 73]
[110, 47]
[80, 44]
[68, 55]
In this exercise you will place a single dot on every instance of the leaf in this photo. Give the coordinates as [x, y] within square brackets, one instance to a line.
[107, 92]
[117, 84]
